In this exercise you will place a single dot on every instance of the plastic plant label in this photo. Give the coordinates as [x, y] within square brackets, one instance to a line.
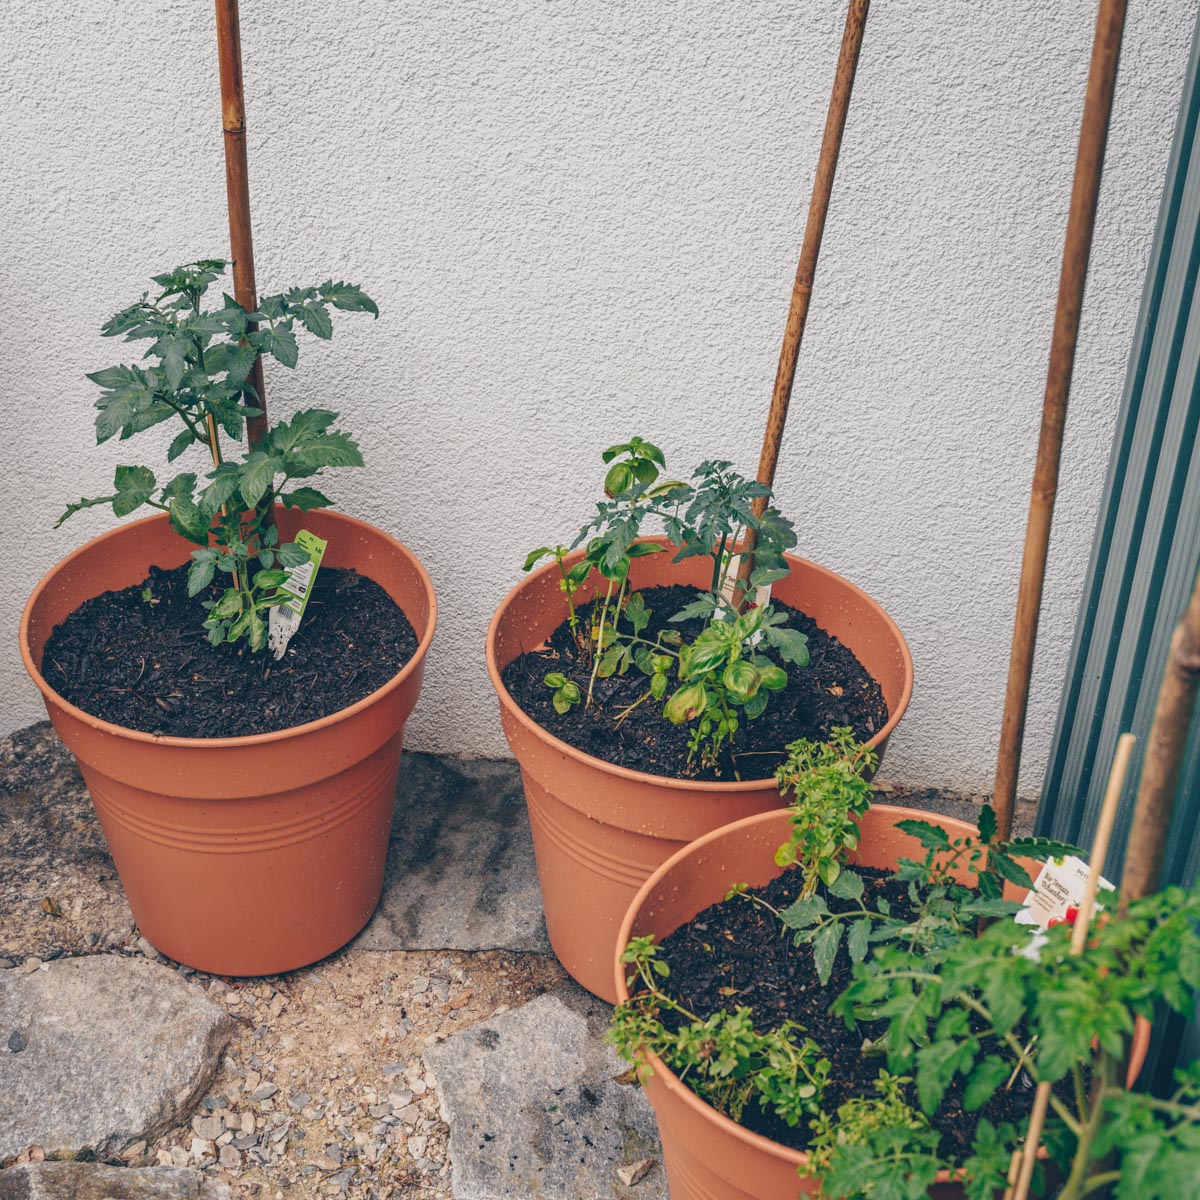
[1059, 887]
[762, 595]
[284, 619]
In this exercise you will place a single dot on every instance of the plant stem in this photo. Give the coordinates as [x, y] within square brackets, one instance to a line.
[622, 713]
[214, 442]
[599, 647]
[1100, 1181]
[717, 572]
[196, 431]
[1064, 1114]
[1077, 1184]
[572, 620]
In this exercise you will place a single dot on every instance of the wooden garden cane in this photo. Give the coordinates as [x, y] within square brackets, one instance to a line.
[1093, 134]
[1083, 920]
[814, 229]
[237, 187]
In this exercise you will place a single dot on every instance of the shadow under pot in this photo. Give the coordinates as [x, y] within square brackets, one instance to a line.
[600, 830]
[242, 855]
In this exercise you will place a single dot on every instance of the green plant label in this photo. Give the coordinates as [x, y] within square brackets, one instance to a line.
[285, 617]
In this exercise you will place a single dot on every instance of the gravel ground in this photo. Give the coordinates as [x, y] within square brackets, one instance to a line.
[322, 1091]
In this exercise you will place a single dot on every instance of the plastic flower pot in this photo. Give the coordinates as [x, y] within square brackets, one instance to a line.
[706, 1155]
[599, 830]
[242, 855]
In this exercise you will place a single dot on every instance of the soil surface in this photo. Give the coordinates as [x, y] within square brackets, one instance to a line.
[147, 664]
[732, 956]
[834, 689]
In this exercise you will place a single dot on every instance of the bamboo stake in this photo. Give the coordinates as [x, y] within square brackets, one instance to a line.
[237, 187]
[1089, 163]
[810, 250]
[1164, 755]
[1108, 817]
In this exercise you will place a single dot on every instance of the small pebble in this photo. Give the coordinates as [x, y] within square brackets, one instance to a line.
[203, 1148]
[265, 1092]
[208, 1128]
[16, 1043]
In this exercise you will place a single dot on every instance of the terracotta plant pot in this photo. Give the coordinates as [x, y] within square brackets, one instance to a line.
[242, 855]
[599, 830]
[706, 1155]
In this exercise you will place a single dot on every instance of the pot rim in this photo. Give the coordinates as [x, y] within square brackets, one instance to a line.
[717, 787]
[245, 740]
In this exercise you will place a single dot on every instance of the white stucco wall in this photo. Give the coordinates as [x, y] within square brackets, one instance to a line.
[581, 221]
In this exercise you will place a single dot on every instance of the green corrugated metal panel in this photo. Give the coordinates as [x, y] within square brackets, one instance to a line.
[1146, 553]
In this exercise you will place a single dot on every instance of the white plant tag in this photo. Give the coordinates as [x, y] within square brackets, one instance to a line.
[284, 619]
[1059, 886]
[762, 595]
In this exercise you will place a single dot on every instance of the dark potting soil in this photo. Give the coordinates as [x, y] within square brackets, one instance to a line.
[732, 956]
[834, 689]
[149, 666]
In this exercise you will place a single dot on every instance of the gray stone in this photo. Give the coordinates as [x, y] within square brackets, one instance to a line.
[460, 870]
[534, 1108]
[117, 1049]
[49, 831]
[89, 1181]
[208, 1127]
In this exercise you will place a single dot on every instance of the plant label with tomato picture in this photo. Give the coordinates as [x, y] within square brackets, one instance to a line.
[1056, 899]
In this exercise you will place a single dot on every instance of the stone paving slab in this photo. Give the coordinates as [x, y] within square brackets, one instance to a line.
[59, 892]
[460, 871]
[98, 1052]
[89, 1181]
[534, 1107]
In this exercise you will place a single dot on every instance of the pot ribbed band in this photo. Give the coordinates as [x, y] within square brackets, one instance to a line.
[267, 836]
[546, 823]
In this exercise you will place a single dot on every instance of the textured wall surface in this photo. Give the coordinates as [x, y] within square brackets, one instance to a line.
[581, 221]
